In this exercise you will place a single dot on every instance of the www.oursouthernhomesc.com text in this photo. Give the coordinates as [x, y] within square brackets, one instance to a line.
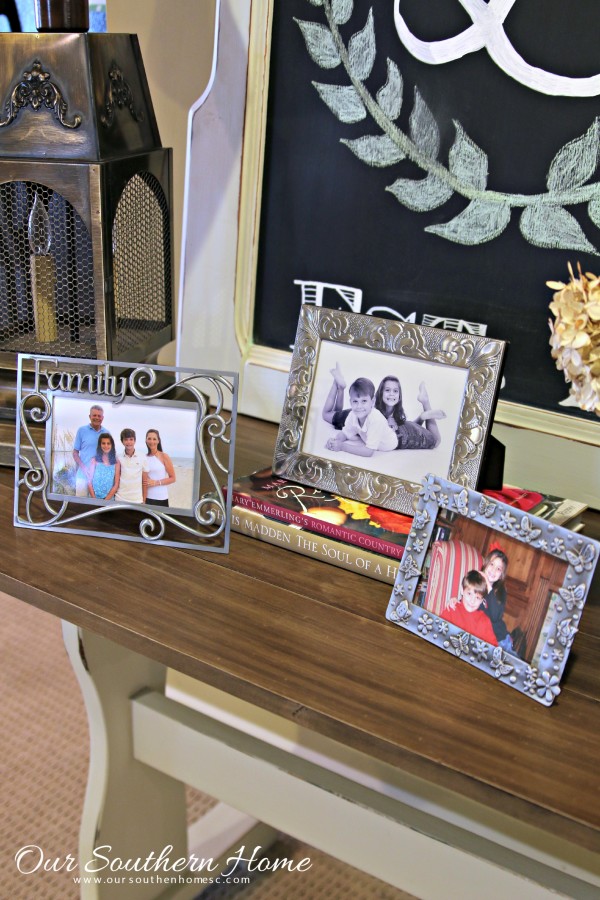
[32, 859]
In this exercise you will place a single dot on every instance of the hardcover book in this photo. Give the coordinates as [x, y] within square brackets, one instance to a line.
[377, 530]
[559, 510]
[312, 544]
[346, 533]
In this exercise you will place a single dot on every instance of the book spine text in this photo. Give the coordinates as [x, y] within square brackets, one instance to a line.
[310, 523]
[292, 537]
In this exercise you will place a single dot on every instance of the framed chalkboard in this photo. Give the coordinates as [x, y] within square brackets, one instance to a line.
[443, 194]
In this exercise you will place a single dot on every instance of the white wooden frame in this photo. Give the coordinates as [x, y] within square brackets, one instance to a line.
[534, 438]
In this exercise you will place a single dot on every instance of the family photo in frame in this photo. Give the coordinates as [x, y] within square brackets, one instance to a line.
[372, 405]
[495, 586]
[132, 452]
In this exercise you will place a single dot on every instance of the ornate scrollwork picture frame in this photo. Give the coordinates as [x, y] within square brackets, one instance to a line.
[496, 587]
[129, 451]
[437, 416]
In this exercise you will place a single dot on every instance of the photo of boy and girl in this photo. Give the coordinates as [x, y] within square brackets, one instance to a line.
[401, 404]
[113, 464]
[376, 419]
[482, 602]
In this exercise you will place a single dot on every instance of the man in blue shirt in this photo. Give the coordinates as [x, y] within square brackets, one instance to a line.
[85, 446]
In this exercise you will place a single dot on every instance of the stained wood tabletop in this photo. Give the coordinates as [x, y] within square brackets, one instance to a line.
[310, 642]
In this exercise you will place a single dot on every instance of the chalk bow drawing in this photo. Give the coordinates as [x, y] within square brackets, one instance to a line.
[487, 31]
[544, 220]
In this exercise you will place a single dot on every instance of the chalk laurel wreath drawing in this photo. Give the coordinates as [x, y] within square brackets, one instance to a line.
[544, 220]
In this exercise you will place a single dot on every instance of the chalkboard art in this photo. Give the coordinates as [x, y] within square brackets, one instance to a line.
[434, 163]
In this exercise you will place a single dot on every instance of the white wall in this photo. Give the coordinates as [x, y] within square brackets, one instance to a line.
[176, 40]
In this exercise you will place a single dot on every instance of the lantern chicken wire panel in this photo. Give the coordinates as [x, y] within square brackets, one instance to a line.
[63, 274]
[49, 290]
[141, 262]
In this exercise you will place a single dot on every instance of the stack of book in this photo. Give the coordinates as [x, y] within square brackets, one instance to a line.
[313, 522]
[349, 534]
[559, 510]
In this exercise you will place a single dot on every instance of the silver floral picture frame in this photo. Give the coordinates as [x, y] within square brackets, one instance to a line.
[448, 386]
[457, 534]
[71, 410]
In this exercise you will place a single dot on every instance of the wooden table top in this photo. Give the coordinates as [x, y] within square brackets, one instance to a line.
[310, 642]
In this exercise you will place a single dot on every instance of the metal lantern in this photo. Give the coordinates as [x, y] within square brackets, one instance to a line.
[85, 197]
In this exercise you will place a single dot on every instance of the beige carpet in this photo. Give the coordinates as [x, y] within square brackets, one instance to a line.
[43, 760]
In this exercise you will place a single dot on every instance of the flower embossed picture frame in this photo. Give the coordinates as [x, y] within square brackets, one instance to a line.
[496, 587]
[446, 387]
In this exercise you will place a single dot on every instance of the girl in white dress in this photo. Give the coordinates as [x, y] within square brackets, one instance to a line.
[160, 470]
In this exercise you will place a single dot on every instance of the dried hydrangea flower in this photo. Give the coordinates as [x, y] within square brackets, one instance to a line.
[575, 336]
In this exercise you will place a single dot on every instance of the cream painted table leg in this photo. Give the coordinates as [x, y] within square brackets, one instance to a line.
[385, 825]
[130, 810]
